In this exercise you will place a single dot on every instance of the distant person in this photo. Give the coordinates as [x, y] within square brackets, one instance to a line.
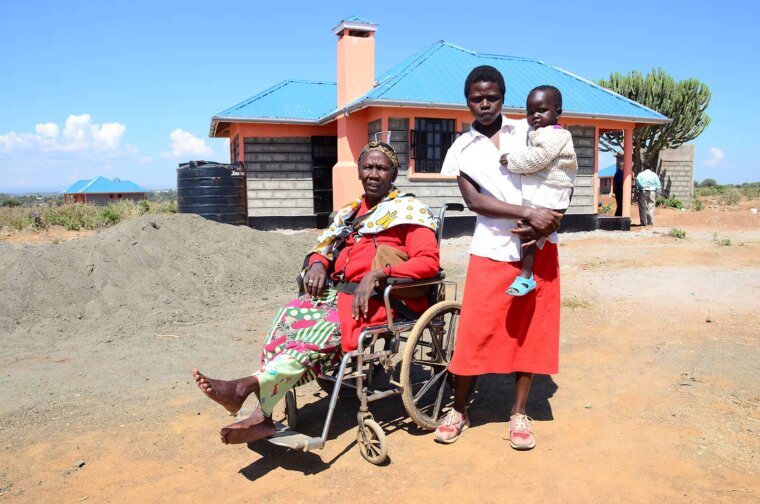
[648, 184]
[547, 169]
[310, 331]
[617, 184]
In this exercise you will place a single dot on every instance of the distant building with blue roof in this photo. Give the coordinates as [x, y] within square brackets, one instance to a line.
[102, 191]
[300, 139]
[605, 179]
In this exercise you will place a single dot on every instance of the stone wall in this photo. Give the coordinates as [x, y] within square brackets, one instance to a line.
[398, 127]
[676, 173]
[437, 192]
[105, 199]
[279, 176]
[583, 196]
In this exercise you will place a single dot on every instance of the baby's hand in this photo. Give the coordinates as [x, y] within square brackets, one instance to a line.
[503, 159]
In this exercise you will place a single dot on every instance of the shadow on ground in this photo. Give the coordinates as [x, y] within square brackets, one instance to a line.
[491, 403]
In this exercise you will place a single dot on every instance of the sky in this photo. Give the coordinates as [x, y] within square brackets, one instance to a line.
[127, 89]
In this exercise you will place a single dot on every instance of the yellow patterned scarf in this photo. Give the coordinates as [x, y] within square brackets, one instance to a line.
[394, 210]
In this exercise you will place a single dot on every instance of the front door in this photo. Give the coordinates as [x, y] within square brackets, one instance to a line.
[324, 155]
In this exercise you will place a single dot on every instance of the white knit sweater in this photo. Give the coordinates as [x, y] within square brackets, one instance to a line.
[549, 155]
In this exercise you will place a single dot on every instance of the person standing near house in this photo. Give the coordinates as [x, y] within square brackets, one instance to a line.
[499, 333]
[617, 184]
[648, 184]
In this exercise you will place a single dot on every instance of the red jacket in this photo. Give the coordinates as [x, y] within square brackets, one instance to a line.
[355, 261]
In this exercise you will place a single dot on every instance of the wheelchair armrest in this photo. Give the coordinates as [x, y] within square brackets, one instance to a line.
[411, 282]
[394, 283]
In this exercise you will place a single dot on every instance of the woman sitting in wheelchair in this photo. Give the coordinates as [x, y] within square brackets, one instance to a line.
[310, 331]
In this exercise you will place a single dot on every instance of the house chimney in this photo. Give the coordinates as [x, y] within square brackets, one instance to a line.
[356, 58]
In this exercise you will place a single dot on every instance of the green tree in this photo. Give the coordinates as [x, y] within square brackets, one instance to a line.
[10, 202]
[685, 102]
[709, 182]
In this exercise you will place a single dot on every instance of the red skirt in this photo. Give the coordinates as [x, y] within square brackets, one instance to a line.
[502, 334]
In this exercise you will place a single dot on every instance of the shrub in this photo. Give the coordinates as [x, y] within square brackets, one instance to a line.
[669, 202]
[144, 206]
[750, 191]
[605, 209]
[677, 233]
[697, 205]
[10, 203]
[721, 243]
[706, 191]
[110, 215]
[729, 197]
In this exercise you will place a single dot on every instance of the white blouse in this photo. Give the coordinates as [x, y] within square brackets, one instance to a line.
[475, 155]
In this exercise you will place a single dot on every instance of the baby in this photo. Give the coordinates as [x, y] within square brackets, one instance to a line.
[547, 167]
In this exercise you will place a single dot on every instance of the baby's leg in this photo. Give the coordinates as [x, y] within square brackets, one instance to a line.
[524, 283]
[528, 257]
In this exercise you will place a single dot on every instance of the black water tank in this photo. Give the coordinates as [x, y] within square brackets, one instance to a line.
[213, 190]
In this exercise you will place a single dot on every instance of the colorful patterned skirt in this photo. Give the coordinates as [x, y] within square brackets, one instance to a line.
[305, 335]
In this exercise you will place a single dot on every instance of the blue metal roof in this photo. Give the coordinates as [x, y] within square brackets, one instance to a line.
[101, 185]
[357, 19]
[307, 101]
[608, 171]
[76, 187]
[434, 77]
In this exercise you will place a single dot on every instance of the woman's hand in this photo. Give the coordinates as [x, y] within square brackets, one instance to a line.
[528, 235]
[315, 279]
[360, 305]
[543, 220]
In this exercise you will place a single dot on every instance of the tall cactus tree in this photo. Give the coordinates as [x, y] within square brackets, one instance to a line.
[684, 101]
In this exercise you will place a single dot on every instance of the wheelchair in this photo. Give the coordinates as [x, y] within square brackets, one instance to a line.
[423, 378]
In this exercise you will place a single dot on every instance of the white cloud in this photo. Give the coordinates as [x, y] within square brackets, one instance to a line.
[716, 157]
[12, 141]
[80, 134]
[49, 130]
[109, 135]
[54, 155]
[186, 145]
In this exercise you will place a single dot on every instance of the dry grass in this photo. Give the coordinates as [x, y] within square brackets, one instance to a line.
[76, 217]
[575, 303]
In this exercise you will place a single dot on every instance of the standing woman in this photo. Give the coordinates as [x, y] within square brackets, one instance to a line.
[500, 333]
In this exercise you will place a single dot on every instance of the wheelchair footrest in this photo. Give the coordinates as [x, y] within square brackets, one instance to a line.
[295, 440]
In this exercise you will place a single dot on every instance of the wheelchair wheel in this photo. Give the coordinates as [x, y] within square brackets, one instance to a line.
[372, 442]
[291, 410]
[425, 364]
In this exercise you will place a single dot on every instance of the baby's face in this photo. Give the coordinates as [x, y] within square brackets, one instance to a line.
[542, 110]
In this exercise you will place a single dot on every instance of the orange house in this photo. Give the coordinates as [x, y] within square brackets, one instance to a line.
[300, 139]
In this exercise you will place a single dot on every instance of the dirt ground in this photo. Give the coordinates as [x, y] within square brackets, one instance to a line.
[657, 398]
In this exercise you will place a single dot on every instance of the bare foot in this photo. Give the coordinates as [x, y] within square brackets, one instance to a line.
[253, 428]
[230, 394]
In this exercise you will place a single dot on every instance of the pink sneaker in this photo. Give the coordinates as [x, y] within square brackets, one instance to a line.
[520, 434]
[452, 426]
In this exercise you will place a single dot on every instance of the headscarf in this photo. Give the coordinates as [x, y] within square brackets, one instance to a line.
[393, 210]
[384, 148]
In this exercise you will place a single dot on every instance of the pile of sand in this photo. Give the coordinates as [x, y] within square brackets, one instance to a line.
[142, 275]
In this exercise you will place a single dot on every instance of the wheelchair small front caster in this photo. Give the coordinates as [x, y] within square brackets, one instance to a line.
[372, 442]
[291, 410]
